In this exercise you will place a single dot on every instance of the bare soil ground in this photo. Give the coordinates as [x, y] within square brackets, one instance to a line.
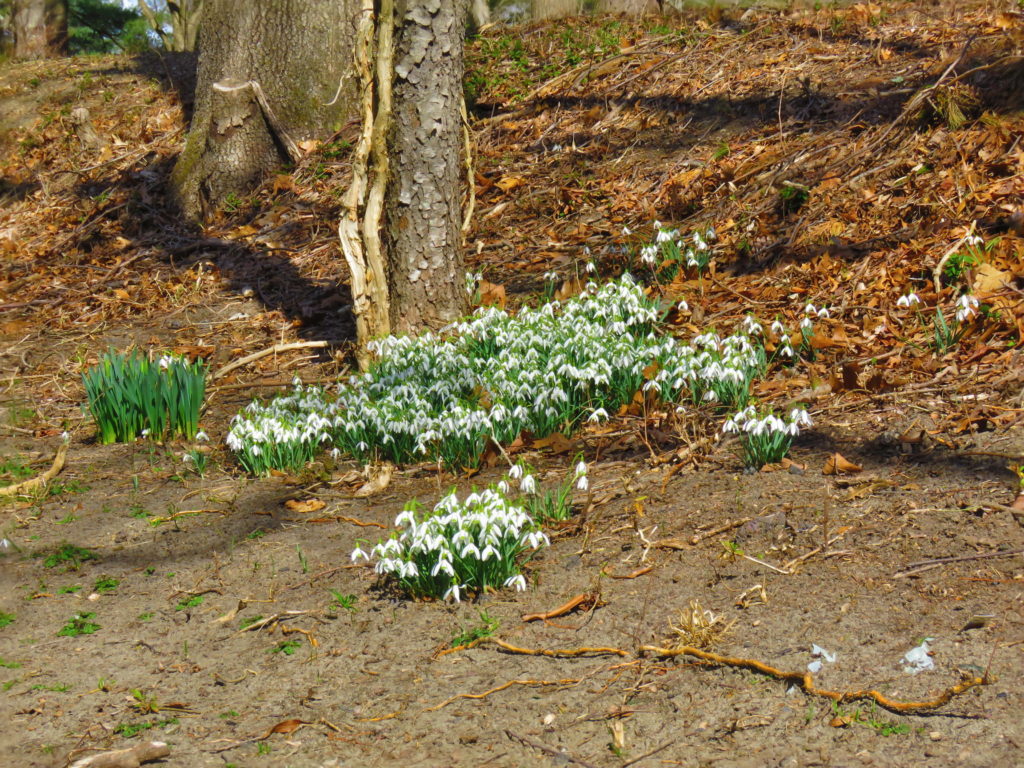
[582, 128]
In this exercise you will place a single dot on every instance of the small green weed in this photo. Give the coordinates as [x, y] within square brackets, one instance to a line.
[302, 559]
[145, 616]
[70, 556]
[129, 730]
[259, 533]
[79, 624]
[69, 518]
[145, 704]
[56, 688]
[228, 715]
[69, 589]
[345, 602]
[9, 664]
[792, 197]
[287, 647]
[105, 584]
[263, 748]
[6, 619]
[246, 623]
[197, 461]
[192, 602]
[59, 488]
[15, 468]
[487, 627]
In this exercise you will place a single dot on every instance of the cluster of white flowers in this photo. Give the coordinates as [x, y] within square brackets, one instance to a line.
[671, 248]
[766, 437]
[442, 396]
[750, 422]
[908, 300]
[966, 307]
[462, 546]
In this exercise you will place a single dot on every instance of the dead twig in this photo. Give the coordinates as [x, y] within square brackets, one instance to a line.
[126, 758]
[924, 565]
[937, 272]
[805, 681]
[509, 684]
[566, 756]
[264, 352]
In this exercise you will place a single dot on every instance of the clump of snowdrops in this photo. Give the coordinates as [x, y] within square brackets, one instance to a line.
[475, 544]
[946, 334]
[766, 438]
[441, 397]
[131, 395]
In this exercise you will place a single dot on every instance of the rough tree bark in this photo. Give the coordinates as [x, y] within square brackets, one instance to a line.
[423, 219]
[271, 74]
[40, 28]
[401, 231]
[184, 17]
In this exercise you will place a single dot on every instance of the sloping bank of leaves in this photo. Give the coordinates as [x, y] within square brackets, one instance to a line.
[441, 397]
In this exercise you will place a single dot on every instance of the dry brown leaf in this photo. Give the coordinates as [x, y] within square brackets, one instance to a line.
[303, 507]
[557, 442]
[837, 465]
[508, 183]
[988, 279]
[285, 727]
[379, 480]
[491, 295]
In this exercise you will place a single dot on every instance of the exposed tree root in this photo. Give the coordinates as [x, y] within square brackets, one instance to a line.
[39, 480]
[560, 653]
[806, 682]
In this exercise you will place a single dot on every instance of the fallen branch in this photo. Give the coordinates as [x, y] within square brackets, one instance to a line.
[126, 758]
[264, 352]
[806, 682]
[697, 538]
[39, 480]
[502, 687]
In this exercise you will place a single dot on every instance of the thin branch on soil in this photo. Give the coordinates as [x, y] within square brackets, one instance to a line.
[924, 565]
[633, 575]
[268, 351]
[645, 755]
[697, 538]
[502, 687]
[806, 682]
[40, 480]
[548, 750]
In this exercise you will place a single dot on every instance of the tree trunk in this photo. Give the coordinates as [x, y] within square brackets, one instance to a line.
[184, 17]
[40, 28]
[270, 74]
[423, 219]
[553, 9]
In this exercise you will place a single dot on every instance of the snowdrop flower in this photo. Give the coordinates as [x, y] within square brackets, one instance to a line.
[823, 313]
[591, 267]
[445, 567]
[806, 324]
[627, 231]
[516, 471]
[551, 277]
[810, 309]
[65, 436]
[528, 484]
[202, 437]
[503, 486]
[778, 328]
[582, 483]
[358, 554]
[967, 307]
[682, 306]
[908, 300]
[518, 581]
[649, 254]
[598, 415]
[581, 468]
[453, 593]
